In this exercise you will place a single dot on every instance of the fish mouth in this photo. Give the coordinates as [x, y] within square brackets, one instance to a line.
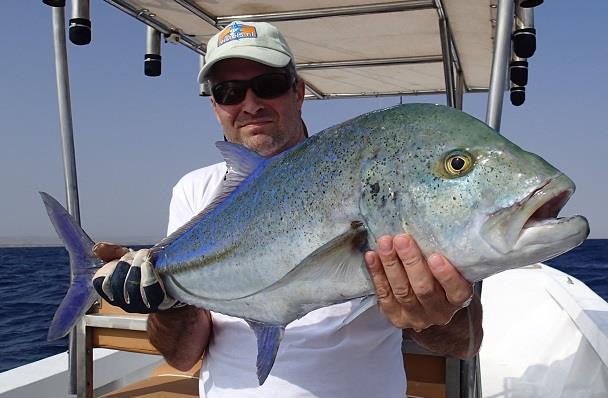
[532, 225]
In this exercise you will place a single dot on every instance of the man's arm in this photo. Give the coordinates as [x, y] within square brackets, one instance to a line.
[460, 338]
[425, 298]
[180, 334]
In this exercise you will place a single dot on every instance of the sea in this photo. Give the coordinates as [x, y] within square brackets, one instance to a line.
[33, 280]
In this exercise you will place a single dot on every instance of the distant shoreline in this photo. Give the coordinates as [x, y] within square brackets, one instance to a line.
[54, 242]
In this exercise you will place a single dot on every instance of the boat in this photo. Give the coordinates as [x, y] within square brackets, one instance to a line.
[545, 331]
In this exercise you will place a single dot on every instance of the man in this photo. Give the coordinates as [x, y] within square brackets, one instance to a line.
[257, 99]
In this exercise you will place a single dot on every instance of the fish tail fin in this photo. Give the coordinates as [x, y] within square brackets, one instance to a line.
[81, 294]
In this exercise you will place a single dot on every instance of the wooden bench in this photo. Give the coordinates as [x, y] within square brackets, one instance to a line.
[165, 381]
[428, 375]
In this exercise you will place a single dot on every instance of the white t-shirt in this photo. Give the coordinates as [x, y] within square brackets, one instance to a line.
[315, 359]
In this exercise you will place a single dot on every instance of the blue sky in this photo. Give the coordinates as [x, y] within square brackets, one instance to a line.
[135, 136]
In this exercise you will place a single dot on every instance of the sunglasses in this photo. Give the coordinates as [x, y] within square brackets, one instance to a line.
[267, 86]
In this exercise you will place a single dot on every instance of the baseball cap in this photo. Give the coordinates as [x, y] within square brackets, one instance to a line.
[257, 41]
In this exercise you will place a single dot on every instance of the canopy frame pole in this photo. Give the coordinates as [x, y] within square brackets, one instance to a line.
[448, 61]
[77, 338]
[500, 62]
[498, 78]
[363, 9]
[459, 89]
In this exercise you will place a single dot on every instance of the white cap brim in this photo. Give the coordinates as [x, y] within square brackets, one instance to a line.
[263, 55]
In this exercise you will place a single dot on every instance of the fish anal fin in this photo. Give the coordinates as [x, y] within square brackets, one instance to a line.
[365, 304]
[268, 339]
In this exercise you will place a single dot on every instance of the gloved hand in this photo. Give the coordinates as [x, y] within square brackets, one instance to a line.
[129, 281]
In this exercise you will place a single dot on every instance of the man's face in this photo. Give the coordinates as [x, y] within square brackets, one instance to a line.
[266, 126]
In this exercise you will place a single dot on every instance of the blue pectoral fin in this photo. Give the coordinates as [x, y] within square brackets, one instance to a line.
[83, 263]
[269, 338]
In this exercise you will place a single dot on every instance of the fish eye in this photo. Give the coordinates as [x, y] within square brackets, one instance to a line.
[457, 164]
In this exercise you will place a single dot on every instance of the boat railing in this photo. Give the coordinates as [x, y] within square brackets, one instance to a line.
[107, 326]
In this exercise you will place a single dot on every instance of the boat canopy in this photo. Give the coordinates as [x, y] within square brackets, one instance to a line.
[346, 48]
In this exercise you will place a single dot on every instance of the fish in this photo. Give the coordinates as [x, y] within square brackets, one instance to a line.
[286, 235]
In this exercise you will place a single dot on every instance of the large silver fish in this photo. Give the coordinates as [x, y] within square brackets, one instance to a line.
[286, 234]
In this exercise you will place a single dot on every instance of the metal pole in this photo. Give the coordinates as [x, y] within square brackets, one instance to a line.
[498, 79]
[361, 9]
[152, 40]
[65, 112]
[423, 59]
[446, 49]
[470, 378]
[500, 62]
[84, 360]
[459, 90]
[67, 141]
[152, 57]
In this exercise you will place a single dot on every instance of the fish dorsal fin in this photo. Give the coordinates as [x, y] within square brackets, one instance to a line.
[268, 338]
[240, 164]
[240, 161]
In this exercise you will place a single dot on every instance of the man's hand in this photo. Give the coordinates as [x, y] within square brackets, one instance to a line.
[180, 334]
[129, 280]
[412, 292]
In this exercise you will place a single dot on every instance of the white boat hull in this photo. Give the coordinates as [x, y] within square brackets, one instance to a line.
[545, 335]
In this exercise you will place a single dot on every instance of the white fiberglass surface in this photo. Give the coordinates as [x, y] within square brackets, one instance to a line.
[544, 336]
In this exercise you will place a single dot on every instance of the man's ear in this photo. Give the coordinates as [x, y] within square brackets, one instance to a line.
[300, 88]
[214, 107]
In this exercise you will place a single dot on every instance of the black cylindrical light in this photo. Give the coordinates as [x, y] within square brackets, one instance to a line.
[518, 71]
[530, 3]
[524, 42]
[152, 59]
[524, 36]
[518, 95]
[80, 23]
[54, 3]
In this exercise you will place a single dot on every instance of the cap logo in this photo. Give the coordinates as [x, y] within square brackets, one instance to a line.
[236, 31]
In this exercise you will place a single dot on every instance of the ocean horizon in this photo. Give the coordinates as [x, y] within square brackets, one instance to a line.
[53, 241]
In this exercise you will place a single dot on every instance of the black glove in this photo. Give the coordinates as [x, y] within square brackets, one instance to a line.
[132, 284]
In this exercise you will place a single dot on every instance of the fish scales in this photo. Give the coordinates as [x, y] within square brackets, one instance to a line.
[293, 199]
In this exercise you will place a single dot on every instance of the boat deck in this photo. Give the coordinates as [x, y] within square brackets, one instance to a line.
[164, 381]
